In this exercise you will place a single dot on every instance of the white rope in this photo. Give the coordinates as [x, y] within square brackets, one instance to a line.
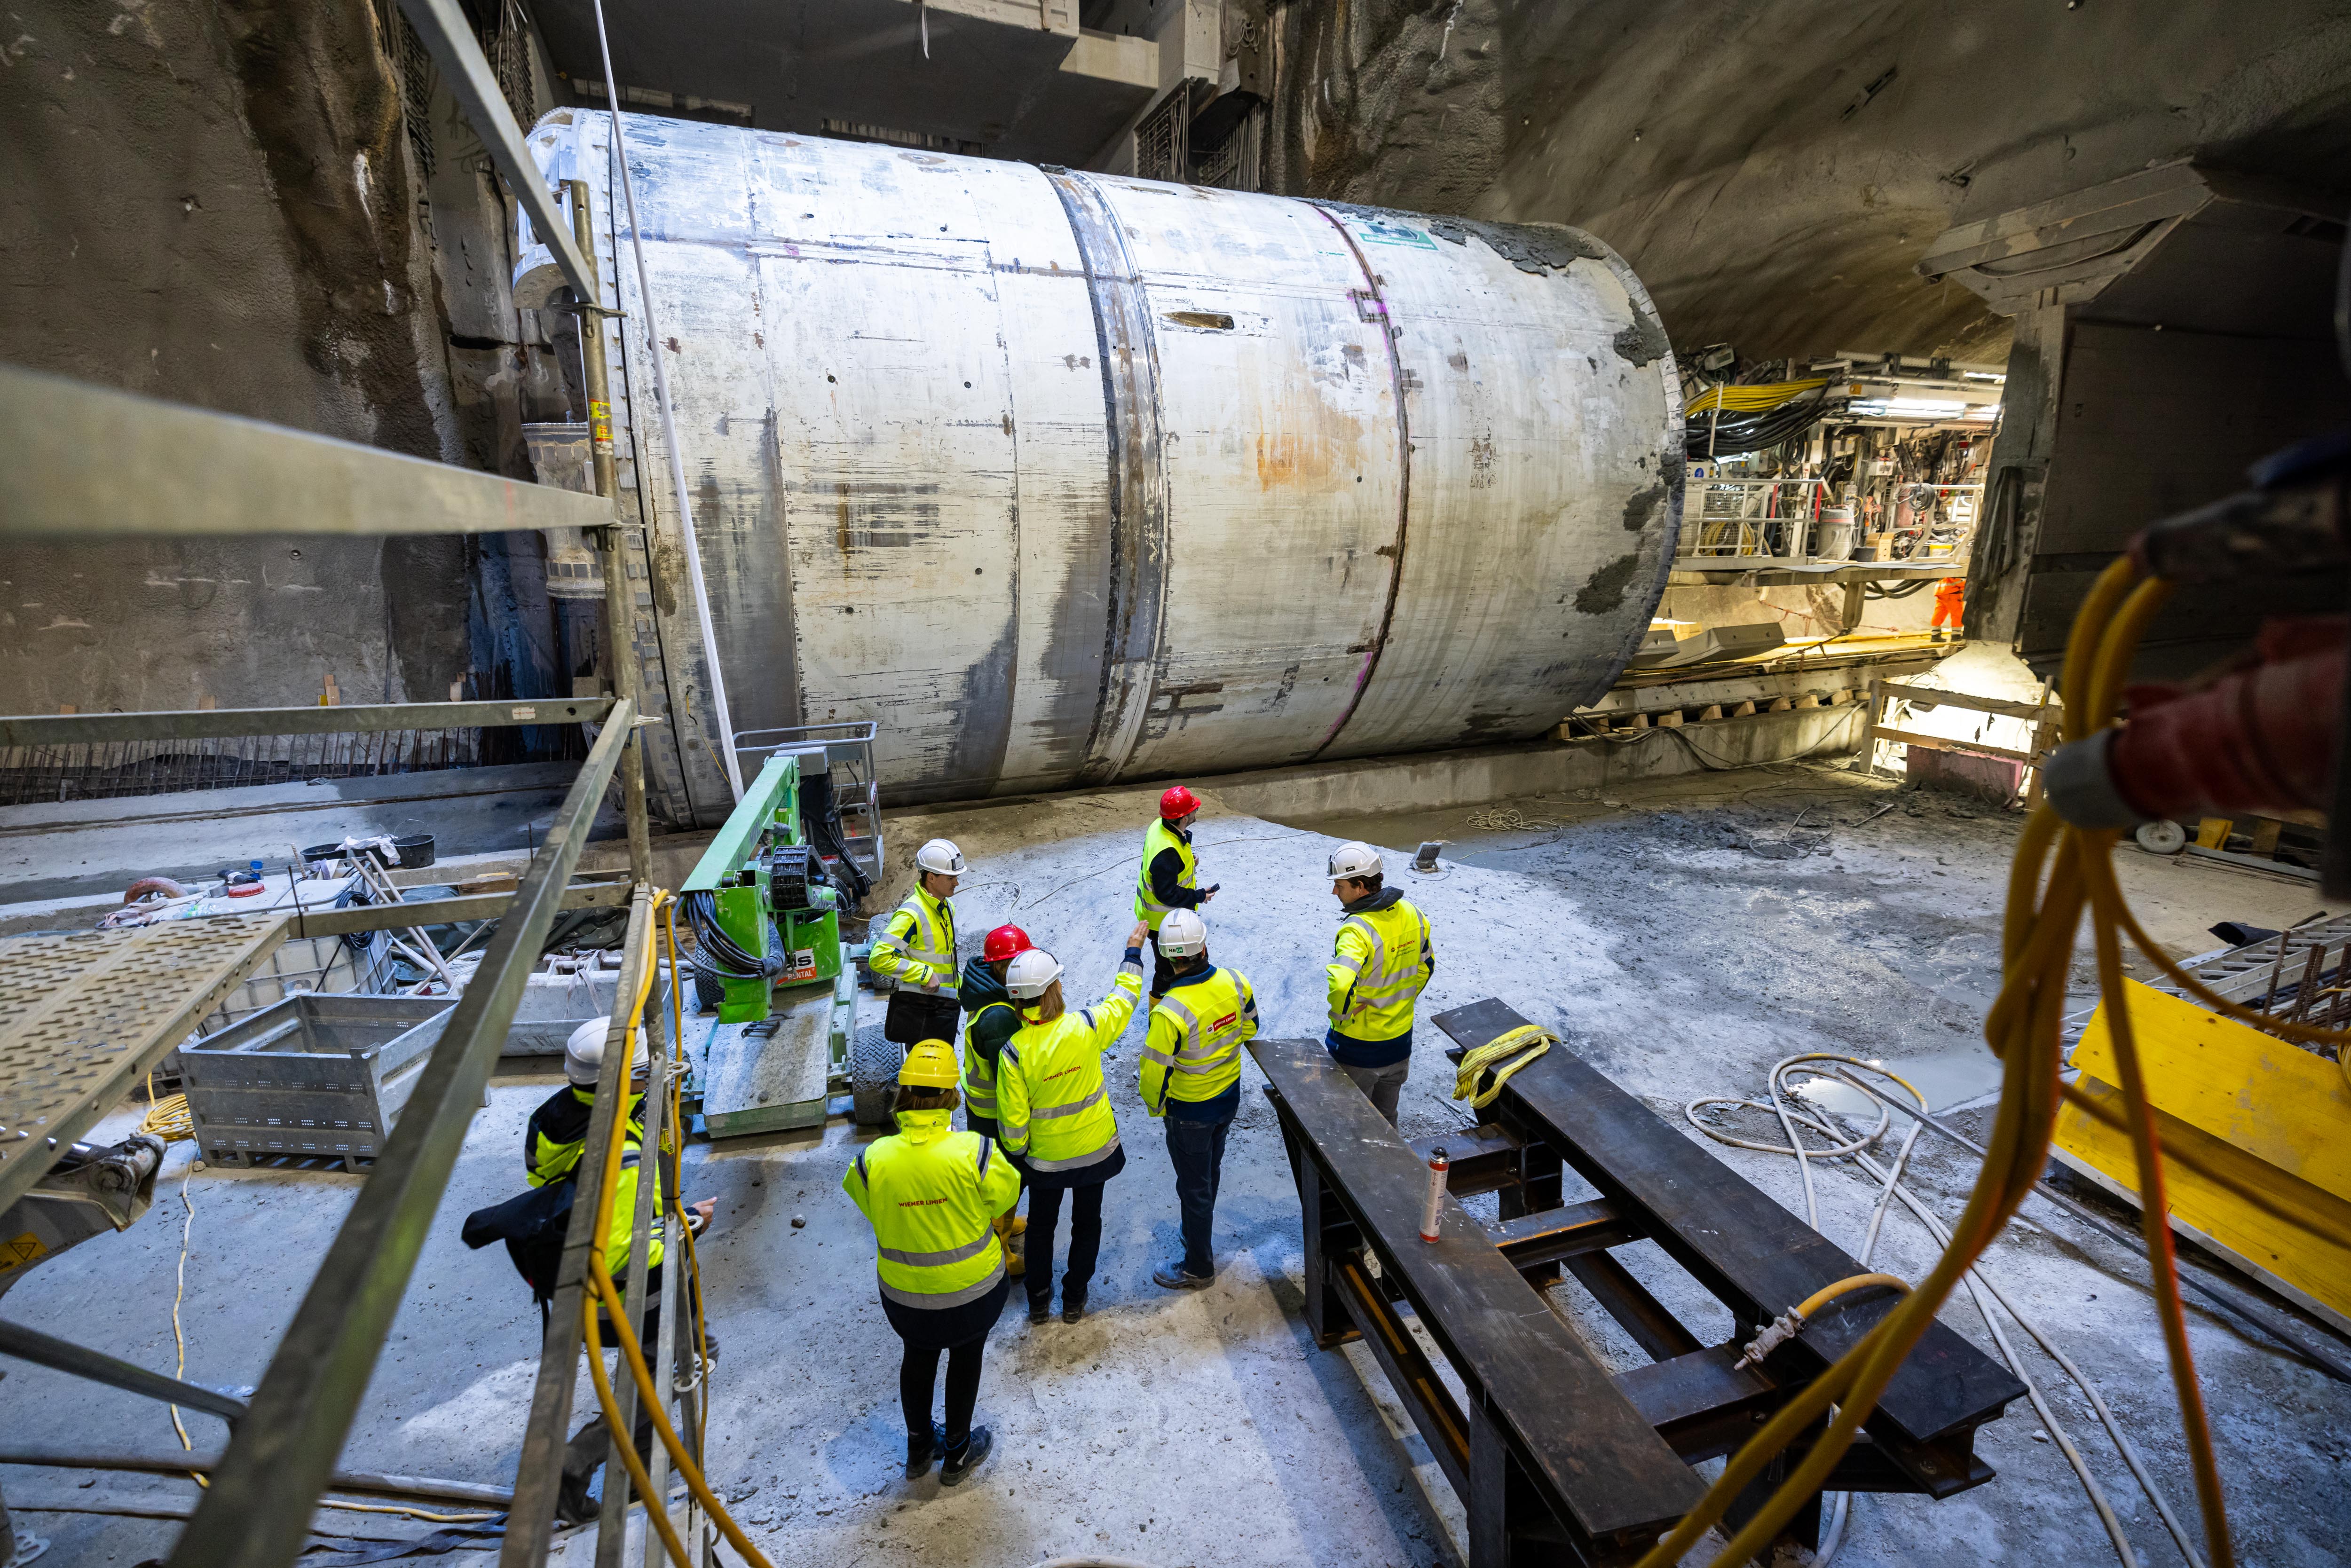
[1844, 1144]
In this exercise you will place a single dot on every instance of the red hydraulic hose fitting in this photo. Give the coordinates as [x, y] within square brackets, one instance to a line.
[2260, 738]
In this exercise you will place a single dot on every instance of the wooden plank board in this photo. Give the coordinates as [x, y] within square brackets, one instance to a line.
[2267, 1097]
[1750, 1253]
[2299, 1260]
[1591, 1451]
[1970, 703]
[1944, 743]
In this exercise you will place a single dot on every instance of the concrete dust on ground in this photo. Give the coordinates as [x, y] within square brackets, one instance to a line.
[1681, 935]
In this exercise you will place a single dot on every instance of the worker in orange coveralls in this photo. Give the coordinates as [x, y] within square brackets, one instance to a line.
[1950, 595]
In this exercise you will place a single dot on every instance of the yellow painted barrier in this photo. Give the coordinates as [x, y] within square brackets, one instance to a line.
[2275, 1116]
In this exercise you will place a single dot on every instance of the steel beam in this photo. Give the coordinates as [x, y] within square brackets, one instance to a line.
[208, 724]
[258, 1511]
[89, 463]
[449, 39]
[326, 922]
[357, 1483]
[78, 1361]
[539, 1470]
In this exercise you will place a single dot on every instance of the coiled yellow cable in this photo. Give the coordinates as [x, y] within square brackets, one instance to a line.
[2058, 873]
[604, 1289]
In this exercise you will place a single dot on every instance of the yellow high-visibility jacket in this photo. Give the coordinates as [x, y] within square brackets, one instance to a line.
[1156, 840]
[918, 942]
[1379, 963]
[557, 1131]
[1193, 1048]
[617, 1241]
[1052, 1106]
[932, 1195]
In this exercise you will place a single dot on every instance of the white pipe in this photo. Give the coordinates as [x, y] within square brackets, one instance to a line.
[669, 430]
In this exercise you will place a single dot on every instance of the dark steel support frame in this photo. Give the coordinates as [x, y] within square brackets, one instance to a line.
[1700, 1400]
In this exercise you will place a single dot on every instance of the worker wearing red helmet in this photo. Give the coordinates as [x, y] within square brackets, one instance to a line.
[990, 1019]
[1168, 879]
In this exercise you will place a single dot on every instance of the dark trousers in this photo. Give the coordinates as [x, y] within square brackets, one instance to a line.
[918, 1375]
[1197, 1150]
[586, 1452]
[915, 1015]
[1162, 973]
[986, 1127]
[1085, 1242]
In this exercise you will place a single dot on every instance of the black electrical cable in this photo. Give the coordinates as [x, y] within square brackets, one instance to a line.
[726, 954]
[1717, 435]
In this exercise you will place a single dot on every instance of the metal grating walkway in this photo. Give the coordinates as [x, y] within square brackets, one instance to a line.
[81, 1016]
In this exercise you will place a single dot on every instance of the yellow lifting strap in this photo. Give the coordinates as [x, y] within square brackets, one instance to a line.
[1530, 1039]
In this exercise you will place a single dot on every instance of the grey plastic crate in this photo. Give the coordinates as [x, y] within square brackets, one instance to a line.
[313, 1079]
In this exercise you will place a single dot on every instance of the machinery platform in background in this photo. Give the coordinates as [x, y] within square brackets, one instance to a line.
[81, 1016]
[775, 1076]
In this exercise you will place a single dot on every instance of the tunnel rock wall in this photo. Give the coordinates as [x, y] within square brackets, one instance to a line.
[218, 204]
[1774, 169]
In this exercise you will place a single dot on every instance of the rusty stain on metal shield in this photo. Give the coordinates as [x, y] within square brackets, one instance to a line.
[1067, 477]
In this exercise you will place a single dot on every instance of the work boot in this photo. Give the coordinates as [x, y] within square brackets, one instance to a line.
[1073, 1310]
[1174, 1278]
[922, 1450]
[573, 1503]
[960, 1464]
[1014, 1264]
[1938, 636]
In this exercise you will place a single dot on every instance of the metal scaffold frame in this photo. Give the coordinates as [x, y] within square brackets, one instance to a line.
[109, 464]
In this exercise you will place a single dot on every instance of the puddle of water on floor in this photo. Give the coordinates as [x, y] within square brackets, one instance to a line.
[1952, 1078]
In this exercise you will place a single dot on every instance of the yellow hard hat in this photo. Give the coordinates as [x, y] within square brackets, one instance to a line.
[930, 1064]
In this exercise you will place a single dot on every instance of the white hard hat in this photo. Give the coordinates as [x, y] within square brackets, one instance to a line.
[584, 1053]
[1031, 974]
[1183, 935]
[940, 856]
[1350, 861]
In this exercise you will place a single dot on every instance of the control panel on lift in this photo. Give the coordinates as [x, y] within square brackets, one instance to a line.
[762, 901]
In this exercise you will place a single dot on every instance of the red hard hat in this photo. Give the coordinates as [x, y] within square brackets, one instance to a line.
[1005, 942]
[1177, 802]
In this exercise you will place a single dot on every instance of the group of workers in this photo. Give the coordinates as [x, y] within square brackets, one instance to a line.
[1037, 1111]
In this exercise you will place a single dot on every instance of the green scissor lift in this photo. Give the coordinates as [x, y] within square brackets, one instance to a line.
[779, 1047]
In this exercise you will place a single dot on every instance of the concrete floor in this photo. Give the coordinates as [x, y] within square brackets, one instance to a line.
[1681, 934]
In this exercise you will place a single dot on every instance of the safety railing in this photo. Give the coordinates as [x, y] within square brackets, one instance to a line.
[856, 786]
[1795, 523]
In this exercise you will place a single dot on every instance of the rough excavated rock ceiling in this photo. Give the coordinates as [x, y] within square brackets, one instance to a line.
[1774, 169]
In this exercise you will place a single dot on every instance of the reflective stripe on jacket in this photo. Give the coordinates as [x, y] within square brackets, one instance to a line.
[1193, 1048]
[979, 1071]
[918, 942]
[931, 1196]
[624, 1214]
[1379, 965]
[1159, 837]
[1052, 1106]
